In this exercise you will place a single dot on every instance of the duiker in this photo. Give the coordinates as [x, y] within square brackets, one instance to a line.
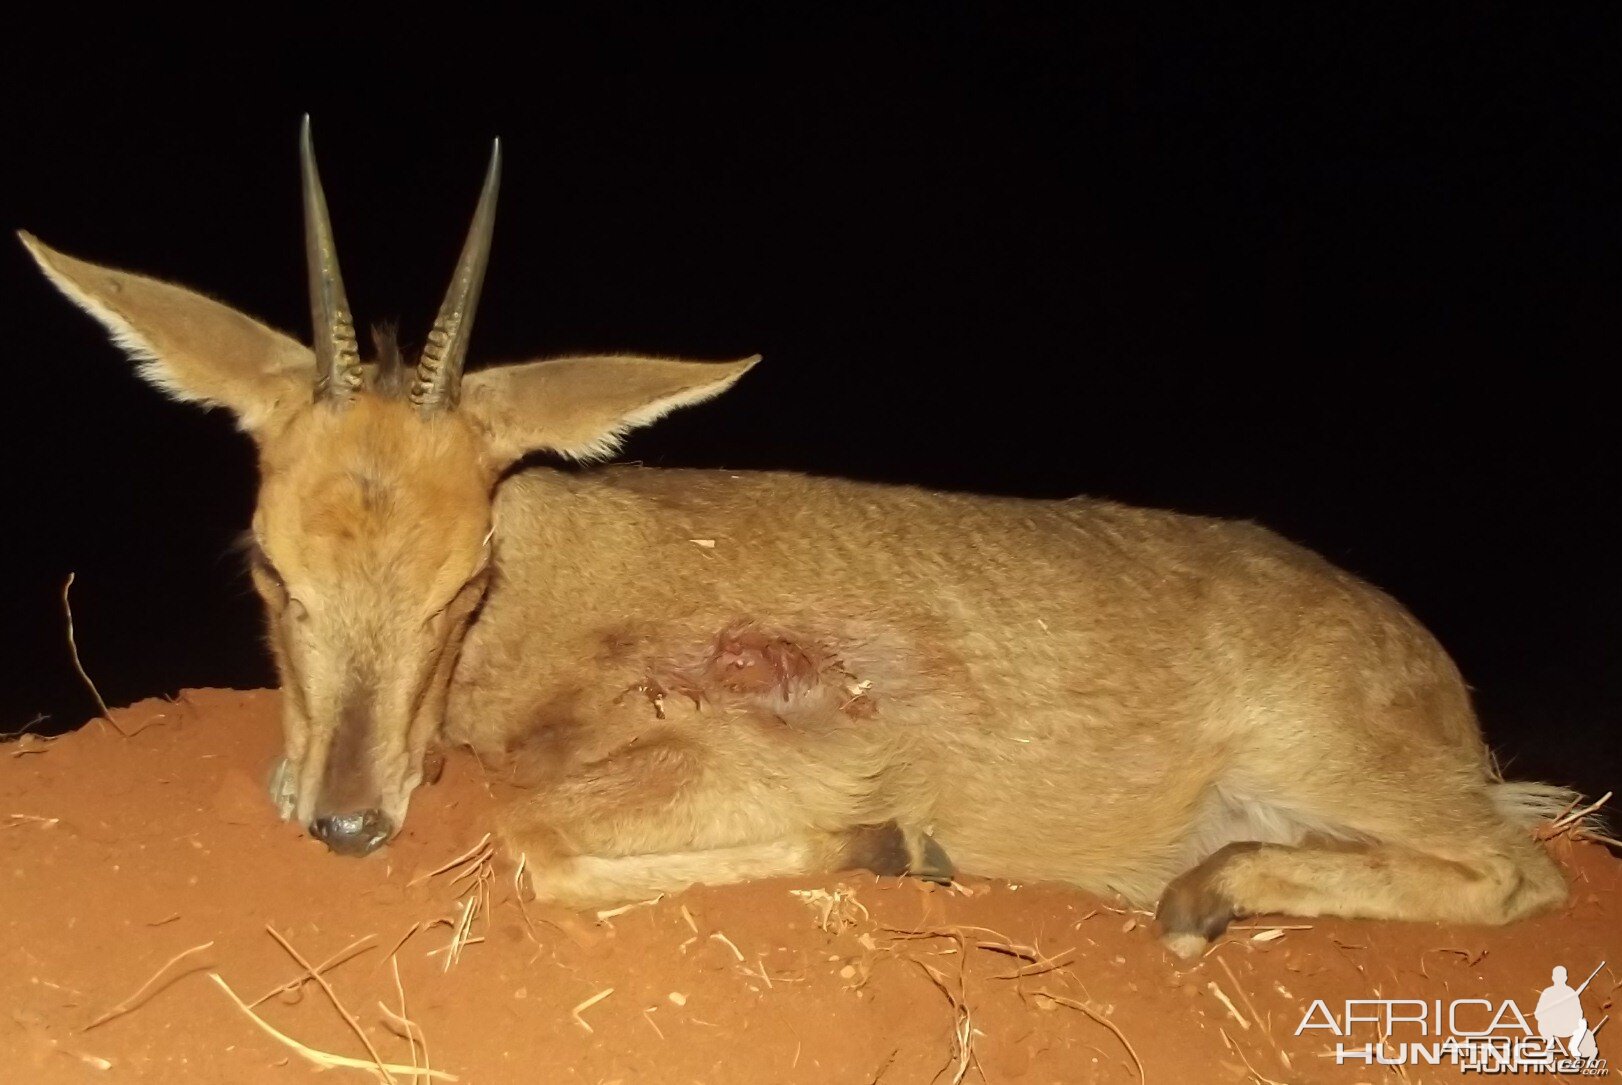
[715, 676]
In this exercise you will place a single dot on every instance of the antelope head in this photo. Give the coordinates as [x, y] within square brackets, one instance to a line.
[373, 541]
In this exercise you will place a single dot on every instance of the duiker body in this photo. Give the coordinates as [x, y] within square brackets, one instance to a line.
[711, 676]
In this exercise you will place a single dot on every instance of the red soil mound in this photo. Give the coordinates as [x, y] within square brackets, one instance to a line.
[121, 851]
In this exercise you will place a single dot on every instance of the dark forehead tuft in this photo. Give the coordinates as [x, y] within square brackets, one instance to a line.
[390, 376]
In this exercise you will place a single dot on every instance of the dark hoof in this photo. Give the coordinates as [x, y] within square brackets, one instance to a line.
[879, 848]
[1193, 910]
[931, 863]
[886, 849]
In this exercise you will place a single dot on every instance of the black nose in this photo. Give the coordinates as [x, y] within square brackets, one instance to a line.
[353, 834]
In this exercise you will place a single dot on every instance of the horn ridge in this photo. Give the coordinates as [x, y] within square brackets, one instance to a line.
[337, 353]
[438, 384]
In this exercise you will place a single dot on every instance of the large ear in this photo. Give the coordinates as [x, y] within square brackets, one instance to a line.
[190, 347]
[582, 407]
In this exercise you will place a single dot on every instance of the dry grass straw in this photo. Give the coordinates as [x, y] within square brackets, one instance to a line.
[42, 822]
[1255, 1074]
[1581, 823]
[32, 743]
[836, 911]
[323, 1059]
[480, 851]
[588, 1004]
[1034, 963]
[351, 950]
[1265, 927]
[478, 863]
[148, 988]
[519, 892]
[1041, 967]
[462, 931]
[1262, 1020]
[1227, 1004]
[73, 650]
[454, 947]
[605, 914]
[963, 1052]
[729, 943]
[402, 1024]
[518, 899]
[1076, 1004]
[962, 1021]
[404, 938]
[26, 730]
[1000, 944]
[332, 996]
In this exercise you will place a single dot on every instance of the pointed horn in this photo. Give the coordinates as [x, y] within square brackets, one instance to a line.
[337, 357]
[439, 374]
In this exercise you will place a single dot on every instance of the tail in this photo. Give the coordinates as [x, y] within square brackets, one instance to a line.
[1549, 808]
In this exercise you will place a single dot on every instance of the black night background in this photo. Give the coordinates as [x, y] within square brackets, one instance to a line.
[1354, 273]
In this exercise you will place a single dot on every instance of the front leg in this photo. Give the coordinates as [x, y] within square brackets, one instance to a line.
[645, 819]
[654, 817]
[593, 881]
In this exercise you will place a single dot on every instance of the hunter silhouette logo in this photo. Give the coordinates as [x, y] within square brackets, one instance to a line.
[1559, 1015]
[1476, 1035]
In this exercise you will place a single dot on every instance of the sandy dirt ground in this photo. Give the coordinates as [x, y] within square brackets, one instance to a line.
[145, 882]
